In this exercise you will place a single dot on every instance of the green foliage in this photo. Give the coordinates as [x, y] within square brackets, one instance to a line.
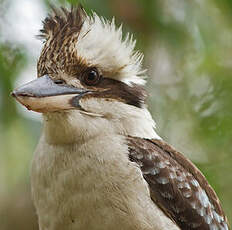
[12, 61]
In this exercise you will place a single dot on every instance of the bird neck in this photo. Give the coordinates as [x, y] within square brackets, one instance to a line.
[72, 127]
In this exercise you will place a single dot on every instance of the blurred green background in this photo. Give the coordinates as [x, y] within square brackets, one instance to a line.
[188, 55]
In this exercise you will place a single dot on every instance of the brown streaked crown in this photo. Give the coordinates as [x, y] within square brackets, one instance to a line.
[63, 21]
[60, 31]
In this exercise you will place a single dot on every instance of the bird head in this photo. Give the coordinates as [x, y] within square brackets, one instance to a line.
[87, 73]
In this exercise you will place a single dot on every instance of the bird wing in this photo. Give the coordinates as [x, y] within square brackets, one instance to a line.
[177, 186]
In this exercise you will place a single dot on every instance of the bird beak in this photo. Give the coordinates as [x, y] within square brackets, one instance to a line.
[44, 95]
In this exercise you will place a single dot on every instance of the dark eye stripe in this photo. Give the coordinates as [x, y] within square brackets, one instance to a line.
[109, 88]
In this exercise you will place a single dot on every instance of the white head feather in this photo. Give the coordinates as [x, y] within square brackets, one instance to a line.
[102, 45]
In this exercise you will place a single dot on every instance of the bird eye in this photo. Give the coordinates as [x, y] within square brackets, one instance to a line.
[91, 77]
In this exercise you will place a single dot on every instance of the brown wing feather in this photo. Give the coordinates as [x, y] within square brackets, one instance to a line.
[177, 186]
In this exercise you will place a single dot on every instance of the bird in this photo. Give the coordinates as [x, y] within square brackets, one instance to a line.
[99, 163]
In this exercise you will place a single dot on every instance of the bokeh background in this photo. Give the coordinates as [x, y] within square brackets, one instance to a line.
[188, 56]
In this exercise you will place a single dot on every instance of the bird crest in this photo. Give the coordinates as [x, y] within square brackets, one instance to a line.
[74, 39]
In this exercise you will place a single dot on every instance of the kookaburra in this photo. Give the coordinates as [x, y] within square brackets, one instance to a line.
[99, 164]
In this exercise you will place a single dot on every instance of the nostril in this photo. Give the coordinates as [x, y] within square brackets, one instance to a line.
[59, 82]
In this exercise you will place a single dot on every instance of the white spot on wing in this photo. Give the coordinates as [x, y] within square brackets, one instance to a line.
[172, 175]
[183, 185]
[166, 194]
[201, 211]
[195, 183]
[162, 180]
[225, 226]
[139, 156]
[187, 193]
[149, 157]
[154, 171]
[208, 219]
[161, 165]
[194, 205]
[203, 198]
[181, 178]
[218, 218]
[213, 227]
[194, 225]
